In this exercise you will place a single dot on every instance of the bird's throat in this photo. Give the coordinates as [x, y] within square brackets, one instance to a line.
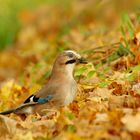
[69, 70]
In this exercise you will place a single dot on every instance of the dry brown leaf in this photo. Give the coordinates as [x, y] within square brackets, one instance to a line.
[7, 126]
[132, 122]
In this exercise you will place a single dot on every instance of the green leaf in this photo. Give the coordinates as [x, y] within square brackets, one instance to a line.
[124, 51]
[131, 77]
[106, 70]
[103, 84]
[98, 66]
[113, 57]
[80, 71]
[69, 115]
[90, 74]
[71, 128]
[136, 68]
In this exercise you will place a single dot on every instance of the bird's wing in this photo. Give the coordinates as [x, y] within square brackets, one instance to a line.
[49, 92]
[37, 100]
[32, 100]
[40, 97]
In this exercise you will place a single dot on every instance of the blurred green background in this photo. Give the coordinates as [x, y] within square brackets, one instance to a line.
[14, 15]
[10, 12]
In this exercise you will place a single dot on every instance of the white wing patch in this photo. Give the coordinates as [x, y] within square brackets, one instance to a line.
[31, 99]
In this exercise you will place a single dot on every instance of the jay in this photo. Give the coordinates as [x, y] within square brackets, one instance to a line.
[59, 91]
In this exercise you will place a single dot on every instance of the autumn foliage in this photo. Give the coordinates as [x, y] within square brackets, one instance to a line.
[107, 105]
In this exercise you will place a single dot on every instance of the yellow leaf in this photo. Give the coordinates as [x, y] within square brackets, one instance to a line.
[20, 136]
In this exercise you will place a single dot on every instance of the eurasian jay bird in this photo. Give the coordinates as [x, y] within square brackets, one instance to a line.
[59, 91]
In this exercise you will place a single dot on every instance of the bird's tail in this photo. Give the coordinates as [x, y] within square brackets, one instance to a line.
[7, 112]
[18, 110]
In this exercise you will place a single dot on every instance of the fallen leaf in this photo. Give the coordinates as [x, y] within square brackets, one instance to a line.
[132, 122]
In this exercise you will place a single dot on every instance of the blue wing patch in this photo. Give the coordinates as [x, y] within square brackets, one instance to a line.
[45, 100]
[35, 99]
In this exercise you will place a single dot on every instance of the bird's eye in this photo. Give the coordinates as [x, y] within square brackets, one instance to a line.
[71, 55]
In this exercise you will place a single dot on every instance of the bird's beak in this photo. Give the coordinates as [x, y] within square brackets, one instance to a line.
[82, 60]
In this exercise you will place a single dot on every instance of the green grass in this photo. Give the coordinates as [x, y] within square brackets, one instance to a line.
[9, 13]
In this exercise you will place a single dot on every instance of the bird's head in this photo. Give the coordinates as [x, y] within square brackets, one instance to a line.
[67, 60]
[70, 57]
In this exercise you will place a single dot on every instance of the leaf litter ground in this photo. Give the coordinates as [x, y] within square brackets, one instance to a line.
[108, 102]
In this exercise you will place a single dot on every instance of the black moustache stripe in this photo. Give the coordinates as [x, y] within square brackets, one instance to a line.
[70, 61]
